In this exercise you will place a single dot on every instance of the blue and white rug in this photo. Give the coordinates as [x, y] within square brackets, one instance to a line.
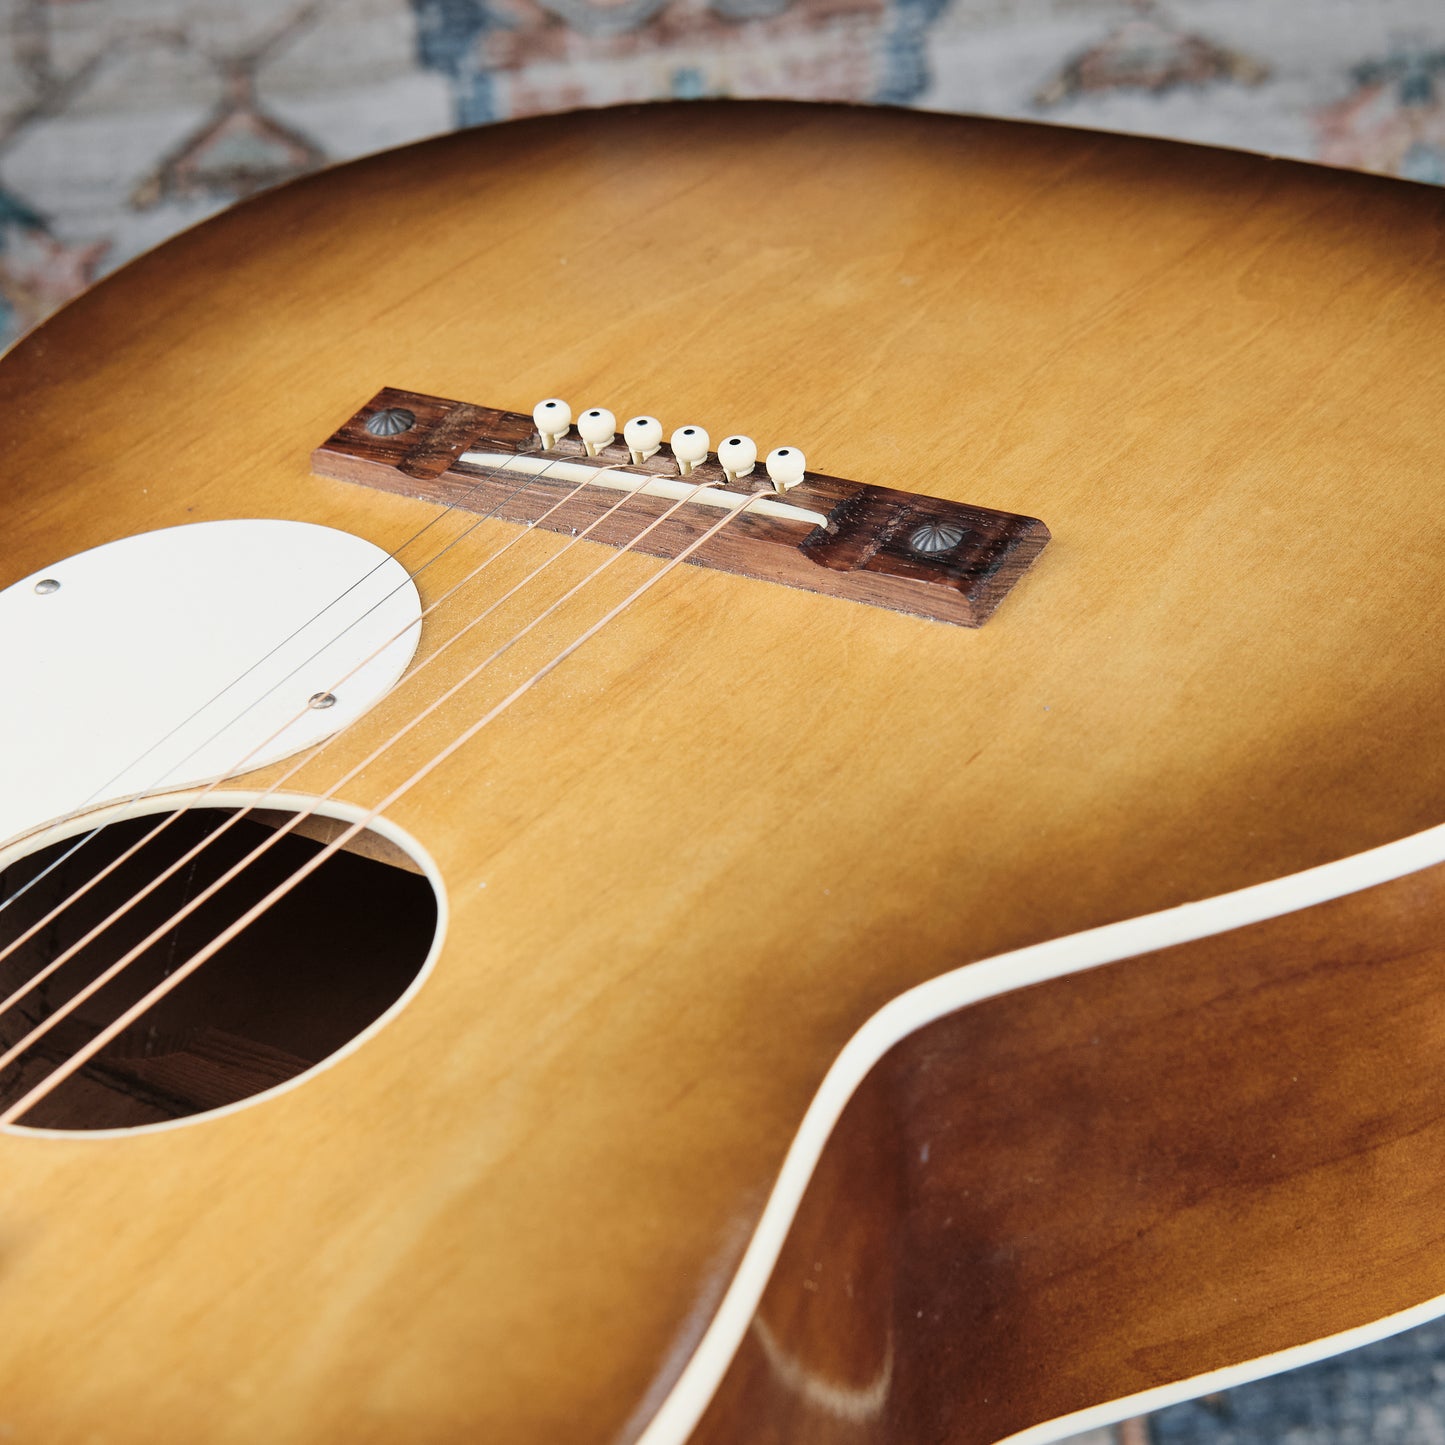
[122, 121]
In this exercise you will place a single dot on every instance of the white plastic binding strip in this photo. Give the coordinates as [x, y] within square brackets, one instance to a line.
[673, 488]
[672, 1421]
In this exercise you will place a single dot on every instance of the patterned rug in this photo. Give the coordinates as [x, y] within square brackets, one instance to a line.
[1390, 1393]
[122, 121]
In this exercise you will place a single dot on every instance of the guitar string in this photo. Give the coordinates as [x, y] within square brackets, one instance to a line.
[154, 786]
[57, 962]
[304, 760]
[105, 977]
[118, 1025]
[434, 705]
[240, 764]
[391, 556]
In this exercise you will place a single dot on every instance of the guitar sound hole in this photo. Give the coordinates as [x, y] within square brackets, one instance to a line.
[310, 974]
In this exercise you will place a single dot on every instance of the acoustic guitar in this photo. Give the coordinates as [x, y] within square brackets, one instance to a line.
[723, 773]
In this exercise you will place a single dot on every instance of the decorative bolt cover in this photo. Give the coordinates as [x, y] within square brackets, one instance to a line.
[934, 537]
[390, 422]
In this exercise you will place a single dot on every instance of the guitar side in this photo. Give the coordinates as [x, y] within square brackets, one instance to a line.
[1077, 1183]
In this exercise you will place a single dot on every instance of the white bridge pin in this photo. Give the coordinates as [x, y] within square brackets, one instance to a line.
[596, 426]
[643, 435]
[689, 445]
[737, 456]
[785, 467]
[553, 418]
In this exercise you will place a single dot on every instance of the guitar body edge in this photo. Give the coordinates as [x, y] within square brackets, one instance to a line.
[1015, 1178]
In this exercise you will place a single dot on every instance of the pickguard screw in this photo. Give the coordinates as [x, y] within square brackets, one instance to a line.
[321, 701]
[934, 537]
[46, 586]
[391, 421]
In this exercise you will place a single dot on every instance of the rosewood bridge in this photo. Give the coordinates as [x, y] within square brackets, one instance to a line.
[928, 556]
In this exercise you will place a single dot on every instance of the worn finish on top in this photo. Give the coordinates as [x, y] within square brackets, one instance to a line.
[686, 868]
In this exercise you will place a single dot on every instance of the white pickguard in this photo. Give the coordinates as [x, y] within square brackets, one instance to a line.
[185, 655]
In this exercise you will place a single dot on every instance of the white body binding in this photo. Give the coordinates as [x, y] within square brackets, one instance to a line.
[711, 1336]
